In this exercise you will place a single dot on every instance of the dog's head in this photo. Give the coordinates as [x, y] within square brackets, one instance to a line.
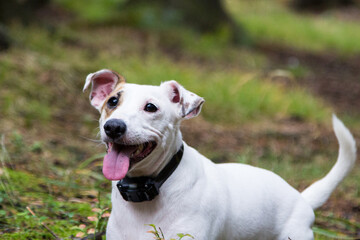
[139, 123]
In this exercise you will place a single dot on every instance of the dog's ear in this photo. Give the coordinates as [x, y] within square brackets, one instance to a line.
[189, 103]
[103, 83]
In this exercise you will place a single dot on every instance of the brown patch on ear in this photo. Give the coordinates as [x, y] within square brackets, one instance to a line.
[121, 81]
[118, 90]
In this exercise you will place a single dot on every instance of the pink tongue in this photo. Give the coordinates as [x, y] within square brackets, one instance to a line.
[116, 163]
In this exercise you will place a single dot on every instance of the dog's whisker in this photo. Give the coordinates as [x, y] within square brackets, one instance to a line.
[91, 140]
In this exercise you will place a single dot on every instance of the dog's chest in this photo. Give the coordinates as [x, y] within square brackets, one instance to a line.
[133, 220]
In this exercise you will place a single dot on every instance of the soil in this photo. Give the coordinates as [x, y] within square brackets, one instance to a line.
[336, 79]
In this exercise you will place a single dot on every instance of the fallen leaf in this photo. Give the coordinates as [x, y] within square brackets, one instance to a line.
[92, 218]
[89, 193]
[77, 200]
[96, 210]
[80, 234]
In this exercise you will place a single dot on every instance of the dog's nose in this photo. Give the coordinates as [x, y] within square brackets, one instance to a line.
[115, 128]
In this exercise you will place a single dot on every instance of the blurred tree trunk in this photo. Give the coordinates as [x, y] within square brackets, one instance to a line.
[320, 5]
[22, 11]
[5, 40]
[202, 15]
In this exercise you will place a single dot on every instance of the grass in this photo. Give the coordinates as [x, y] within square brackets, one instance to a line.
[64, 216]
[63, 203]
[158, 234]
[234, 95]
[271, 22]
[266, 21]
[94, 11]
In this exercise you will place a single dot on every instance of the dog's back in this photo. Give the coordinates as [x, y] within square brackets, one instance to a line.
[261, 205]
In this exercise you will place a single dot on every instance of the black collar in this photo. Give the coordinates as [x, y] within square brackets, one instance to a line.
[139, 189]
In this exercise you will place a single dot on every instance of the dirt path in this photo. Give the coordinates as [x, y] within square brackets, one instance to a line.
[336, 79]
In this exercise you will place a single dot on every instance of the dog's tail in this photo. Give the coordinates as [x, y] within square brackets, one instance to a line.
[317, 193]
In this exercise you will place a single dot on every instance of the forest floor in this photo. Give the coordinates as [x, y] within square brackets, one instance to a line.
[268, 106]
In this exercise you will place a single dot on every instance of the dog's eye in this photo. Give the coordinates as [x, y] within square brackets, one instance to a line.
[112, 102]
[150, 107]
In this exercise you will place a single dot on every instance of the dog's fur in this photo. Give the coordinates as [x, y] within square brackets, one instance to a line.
[209, 201]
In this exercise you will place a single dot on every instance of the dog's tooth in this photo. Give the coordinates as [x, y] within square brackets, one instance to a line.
[139, 150]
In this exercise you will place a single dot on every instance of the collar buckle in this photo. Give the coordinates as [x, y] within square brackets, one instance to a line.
[138, 189]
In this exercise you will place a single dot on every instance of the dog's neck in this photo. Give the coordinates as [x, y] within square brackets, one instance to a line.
[160, 157]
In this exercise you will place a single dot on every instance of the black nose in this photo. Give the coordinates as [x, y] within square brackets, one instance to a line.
[115, 128]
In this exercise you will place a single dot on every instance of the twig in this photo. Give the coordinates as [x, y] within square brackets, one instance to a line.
[43, 224]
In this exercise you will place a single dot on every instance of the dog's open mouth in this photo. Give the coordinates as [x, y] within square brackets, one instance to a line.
[119, 158]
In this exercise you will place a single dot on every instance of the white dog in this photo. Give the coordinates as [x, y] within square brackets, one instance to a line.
[158, 179]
